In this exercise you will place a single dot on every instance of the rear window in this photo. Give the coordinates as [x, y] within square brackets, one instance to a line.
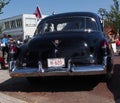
[68, 24]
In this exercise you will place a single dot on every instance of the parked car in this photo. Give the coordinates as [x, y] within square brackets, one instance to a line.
[65, 44]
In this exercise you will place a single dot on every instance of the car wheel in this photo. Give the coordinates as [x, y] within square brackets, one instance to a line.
[109, 69]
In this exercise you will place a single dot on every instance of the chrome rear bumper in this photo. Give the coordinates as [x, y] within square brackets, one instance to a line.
[71, 70]
[81, 70]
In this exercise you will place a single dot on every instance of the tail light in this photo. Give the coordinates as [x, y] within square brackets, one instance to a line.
[104, 47]
[104, 44]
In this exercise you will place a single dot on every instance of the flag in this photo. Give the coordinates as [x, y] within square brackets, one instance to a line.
[38, 13]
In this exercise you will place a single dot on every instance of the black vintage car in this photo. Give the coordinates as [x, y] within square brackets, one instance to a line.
[66, 44]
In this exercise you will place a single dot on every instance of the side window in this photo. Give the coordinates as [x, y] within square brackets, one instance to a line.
[39, 30]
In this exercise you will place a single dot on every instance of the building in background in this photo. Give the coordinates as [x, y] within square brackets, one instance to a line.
[20, 26]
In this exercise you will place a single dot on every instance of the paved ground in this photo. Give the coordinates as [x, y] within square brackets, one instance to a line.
[82, 89]
[8, 99]
[54, 90]
[3, 97]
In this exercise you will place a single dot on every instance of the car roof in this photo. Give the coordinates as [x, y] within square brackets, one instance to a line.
[90, 14]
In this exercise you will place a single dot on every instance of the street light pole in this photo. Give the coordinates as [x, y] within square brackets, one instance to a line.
[102, 12]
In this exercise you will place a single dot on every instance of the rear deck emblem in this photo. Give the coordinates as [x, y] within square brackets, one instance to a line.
[56, 42]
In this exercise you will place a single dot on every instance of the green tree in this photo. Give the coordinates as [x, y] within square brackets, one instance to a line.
[2, 4]
[112, 18]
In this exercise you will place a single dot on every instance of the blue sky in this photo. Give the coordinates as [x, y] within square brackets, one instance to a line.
[17, 7]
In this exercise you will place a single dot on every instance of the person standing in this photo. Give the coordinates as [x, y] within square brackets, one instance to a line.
[4, 46]
[118, 45]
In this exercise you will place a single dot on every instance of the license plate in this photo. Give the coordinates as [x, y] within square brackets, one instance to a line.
[56, 62]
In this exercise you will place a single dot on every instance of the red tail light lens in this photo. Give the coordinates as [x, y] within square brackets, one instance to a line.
[104, 44]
